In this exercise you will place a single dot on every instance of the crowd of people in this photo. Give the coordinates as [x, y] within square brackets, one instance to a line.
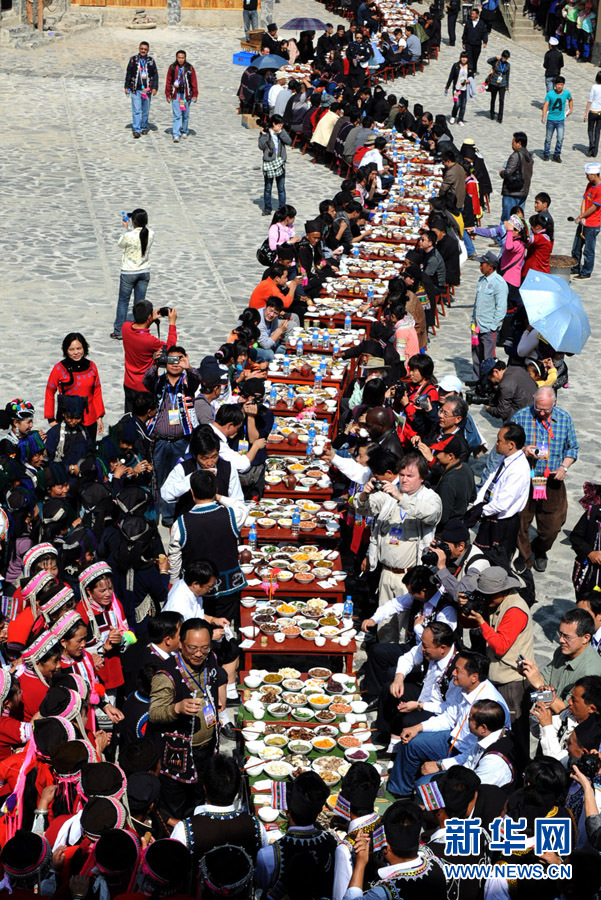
[121, 771]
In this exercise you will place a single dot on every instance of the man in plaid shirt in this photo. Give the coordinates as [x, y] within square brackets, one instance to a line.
[551, 447]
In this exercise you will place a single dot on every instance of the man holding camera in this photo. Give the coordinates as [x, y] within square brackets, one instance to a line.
[140, 346]
[551, 448]
[505, 624]
[555, 730]
[458, 565]
[176, 418]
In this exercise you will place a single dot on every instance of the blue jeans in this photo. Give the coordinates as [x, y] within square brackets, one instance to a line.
[281, 184]
[508, 203]
[139, 111]
[458, 110]
[251, 21]
[493, 461]
[469, 244]
[585, 239]
[180, 116]
[165, 457]
[549, 84]
[128, 282]
[558, 128]
[427, 745]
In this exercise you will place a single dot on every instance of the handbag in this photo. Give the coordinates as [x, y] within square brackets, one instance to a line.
[265, 255]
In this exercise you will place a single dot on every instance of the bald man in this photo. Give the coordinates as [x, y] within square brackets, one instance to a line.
[380, 424]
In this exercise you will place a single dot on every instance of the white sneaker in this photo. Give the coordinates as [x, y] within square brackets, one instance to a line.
[452, 120]
[392, 745]
[461, 123]
[176, 140]
[184, 135]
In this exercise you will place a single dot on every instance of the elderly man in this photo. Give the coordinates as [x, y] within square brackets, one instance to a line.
[503, 496]
[406, 516]
[490, 308]
[551, 448]
[574, 658]
[507, 631]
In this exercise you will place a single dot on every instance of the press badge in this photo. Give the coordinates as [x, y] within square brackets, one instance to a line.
[543, 450]
[396, 535]
[174, 417]
[208, 714]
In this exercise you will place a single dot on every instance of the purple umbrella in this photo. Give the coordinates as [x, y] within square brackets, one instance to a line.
[302, 24]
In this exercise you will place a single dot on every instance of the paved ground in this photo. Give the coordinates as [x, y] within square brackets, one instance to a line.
[69, 166]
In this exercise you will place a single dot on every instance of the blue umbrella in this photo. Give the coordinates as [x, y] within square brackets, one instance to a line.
[556, 311]
[271, 61]
[304, 24]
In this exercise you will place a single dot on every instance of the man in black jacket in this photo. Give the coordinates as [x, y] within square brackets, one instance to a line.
[404, 122]
[141, 82]
[448, 247]
[475, 36]
[325, 43]
[552, 63]
[270, 39]
[453, 9]
[515, 390]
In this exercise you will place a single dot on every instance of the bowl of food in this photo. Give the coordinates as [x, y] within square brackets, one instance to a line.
[320, 672]
[292, 684]
[291, 631]
[308, 525]
[319, 701]
[248, 602]
[331, 778]
[273, 678]
[278, 770]
[293, 699]
[278, 710]
[321, 572]
[276, 740]
[283, 576]
[309, 634]
[356, 754]
[323, 744]
[328, 631]
[268, 814]
[325, 730]
[266, 522]
[304, 577]
[302, 714]
[348, 741]
[317, 603]
[270, 628]
[302, 747]
[286, 610]
[269, 753]
[341, 709]
[325, 715]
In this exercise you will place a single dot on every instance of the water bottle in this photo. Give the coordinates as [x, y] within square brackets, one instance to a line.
[274, 427]
[347, 322]
[295, 527]
[402, 159]
[312, 433]
[299, 347]
[252, 537]
[309, 448]
[325, 428]
[395, 155]
[347, 610]
[370, 293]
[124, 217]
[335, 347]
[355, 251]
[318, 379]
[417, 142]
[380, 207]
[416, 214]
[286, 366]
[290, 397]
[427, 186]
[325, 339]
[394, 132]
[408, 167]
[315, 339]
[385, 217]
[273, 397]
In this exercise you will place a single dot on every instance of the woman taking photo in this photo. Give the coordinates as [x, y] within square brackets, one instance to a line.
[272, 141]
[135, 265]
[76, 374]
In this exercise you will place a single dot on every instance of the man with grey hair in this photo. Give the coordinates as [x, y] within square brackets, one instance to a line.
[551, 448]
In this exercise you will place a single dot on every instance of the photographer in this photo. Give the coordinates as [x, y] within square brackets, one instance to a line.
[584, 796]
[555, 730]
[506, 626]
[176, 418]
[457, 563]
[420, 403]
[406, 515]
[140, 346]
[456, 486]
[514, 390]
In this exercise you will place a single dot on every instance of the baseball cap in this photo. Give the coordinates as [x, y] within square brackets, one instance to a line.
[211, 372]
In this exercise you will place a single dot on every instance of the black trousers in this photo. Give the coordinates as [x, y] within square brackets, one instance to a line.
[473, 53]
[179, 799]
[130, 396]
[451, 25]
[495, 92]
[227, 607]
[389, 720]
[380, 658]
[594, 130]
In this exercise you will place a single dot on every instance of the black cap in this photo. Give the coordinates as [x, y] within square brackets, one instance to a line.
[455, 532]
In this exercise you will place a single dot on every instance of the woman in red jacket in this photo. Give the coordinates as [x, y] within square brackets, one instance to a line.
[76, 374]
[42, 658]
[539, 251]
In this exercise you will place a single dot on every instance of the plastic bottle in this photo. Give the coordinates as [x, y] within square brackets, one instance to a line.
[124, 216]
[286, 366]
[347, 322]
[355, 251]
[325, 339]
[299, 347]
[315, 339]
[416, 214]
[312, 433]
[325, 428]
[295, 527]
[318, 379]
[252, 537]
[273, 397]
[290, 397]
[335, 347]
[385, 217]
[309, 448]
[347, 610]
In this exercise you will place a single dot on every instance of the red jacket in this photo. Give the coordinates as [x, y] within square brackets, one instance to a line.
[139, 347]
[538, 254]
[190, 83]
[84, 384]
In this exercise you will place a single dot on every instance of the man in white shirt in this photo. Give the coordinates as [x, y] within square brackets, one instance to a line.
[493, 756]
[503, 496]
[417, 702]
[228, 422]
[446, 737]
[592, 604]
[554, 729]
[204, 454]
[425, 596]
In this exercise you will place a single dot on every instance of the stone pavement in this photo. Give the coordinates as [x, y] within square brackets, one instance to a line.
[69, 165]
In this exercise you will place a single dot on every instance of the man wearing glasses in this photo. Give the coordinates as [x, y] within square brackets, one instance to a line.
[574, 658]
[186, 696]
[551, 448]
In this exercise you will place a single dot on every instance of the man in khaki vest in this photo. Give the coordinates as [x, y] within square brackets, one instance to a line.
[507, 630]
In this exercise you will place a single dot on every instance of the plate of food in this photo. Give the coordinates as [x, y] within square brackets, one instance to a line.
[266, 522]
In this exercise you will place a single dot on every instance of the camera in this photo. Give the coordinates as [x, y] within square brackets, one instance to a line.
[544, 696]
[476, 603]
[430, 558]
[162, 358]
[472, 398]
[128, 457]
[173, 360]
[164, 311]
[399, 390]
[423, 403]
[378, 485]
[588, 765]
